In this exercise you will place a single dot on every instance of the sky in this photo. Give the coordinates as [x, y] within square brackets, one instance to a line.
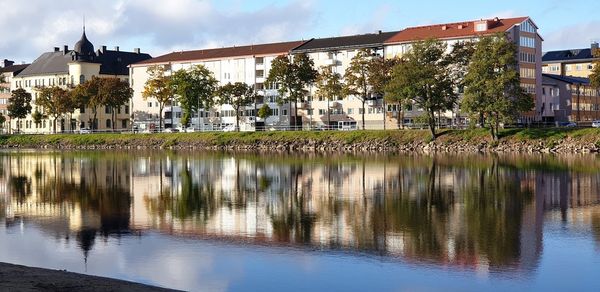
[30, 27]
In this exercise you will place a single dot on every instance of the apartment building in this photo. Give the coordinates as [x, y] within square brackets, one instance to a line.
[248, 64]
[577, 62]
[337, 53]
[67, 68]
[521, 30]
[8, 70]
[251, 64]
[569, 99]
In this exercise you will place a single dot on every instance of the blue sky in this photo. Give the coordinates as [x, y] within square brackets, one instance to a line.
[162, 26]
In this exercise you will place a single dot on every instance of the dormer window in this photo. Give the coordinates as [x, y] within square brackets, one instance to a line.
[481, 26]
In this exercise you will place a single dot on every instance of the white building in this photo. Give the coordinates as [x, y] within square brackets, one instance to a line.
[247, 64]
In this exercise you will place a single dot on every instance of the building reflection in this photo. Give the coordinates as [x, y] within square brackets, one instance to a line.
[478, 212]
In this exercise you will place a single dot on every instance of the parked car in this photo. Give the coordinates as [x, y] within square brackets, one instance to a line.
[568, 124]
[596, 124]
[230, 128]
[171, 130]
[85, 131]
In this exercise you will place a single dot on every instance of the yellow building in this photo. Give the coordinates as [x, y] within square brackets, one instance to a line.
[578, 62]
[68, 68]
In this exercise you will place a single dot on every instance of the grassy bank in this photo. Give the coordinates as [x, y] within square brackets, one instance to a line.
[390, 137]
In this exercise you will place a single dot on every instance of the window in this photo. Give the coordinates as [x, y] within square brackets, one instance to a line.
[481, 27]
[527, 73]
[82, 110]
[127, 109]
[350, 111]
[149, 104]
[527, 42]
[322, 112]
[590, 66]
[527, 57]
[527, 26]
[124, 124]
[284, 112]
[107, 110]
[108, 123]
[529, 88]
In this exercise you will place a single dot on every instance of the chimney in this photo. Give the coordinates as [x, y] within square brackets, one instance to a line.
[594, 46]
[65, 49]
[56, 49]
[445, 27]
[103, 49]
[460, 26]
[7, 63]
[379, 32]
[117, 48]
[137, 50]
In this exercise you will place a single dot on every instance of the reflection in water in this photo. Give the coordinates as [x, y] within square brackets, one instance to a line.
[477, 212]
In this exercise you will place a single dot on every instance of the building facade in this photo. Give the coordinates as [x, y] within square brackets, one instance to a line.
[251, 64]
[577, 62]
[8, 70]
[247, 64]
[67, 68]
[569, 99]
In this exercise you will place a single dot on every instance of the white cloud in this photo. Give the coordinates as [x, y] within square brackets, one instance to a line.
[31, 27]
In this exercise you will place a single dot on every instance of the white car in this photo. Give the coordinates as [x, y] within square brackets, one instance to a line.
[230, 128]
[596, 124]
[85, 131]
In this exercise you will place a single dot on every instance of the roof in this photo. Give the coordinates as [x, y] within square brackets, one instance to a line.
[454, 30]
[568, 55]
[229, 52]
[15, 69]
[568, 79]
[345, 42]
[111, 63]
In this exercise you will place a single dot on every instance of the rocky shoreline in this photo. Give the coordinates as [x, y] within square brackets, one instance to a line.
[21, 278]
[367, 142]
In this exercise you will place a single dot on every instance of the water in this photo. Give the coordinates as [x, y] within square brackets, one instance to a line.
[218, 221]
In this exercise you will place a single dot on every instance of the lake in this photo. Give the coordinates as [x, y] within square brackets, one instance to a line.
[255, 222]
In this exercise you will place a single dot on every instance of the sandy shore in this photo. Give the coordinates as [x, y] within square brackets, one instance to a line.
[21, 278]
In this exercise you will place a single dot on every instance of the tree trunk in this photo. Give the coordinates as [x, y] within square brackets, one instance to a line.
[432, 125]
[363, 112]
[328, 115]
[160, 117]
[237, 120]
[384, 112]
[112, 117]
[94, 124]
[54, 125]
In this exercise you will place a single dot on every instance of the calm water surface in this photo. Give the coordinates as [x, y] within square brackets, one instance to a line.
[218, 221]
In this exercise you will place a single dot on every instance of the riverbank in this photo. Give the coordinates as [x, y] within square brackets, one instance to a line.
[21, 278]
[452, 141]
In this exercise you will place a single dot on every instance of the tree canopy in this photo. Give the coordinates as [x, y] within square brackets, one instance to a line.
[423, 79]
[158, 87]
[19, 105]
[238, 95]
[195, 89]
[329, 86]
[55, 102]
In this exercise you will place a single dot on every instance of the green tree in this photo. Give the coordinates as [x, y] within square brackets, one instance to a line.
[114, 93]
[356, 78]
[2, 120]
[238, 95]
[329, 86]
[158, 87]
[19, 106]
[595, 76]
[195, 89]
[88, 95]
[55, 102]
[293, 78]
[264, 112]
[37, 117]
[423, 79]
[379, 76]
[493, 90]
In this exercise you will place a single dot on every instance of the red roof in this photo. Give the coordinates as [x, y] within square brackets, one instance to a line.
[199, 55]
[454, 30]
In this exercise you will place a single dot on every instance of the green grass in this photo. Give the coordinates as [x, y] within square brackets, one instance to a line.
[550, 137]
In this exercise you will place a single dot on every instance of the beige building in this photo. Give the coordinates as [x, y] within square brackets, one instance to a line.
[67, 68]
[577, 62]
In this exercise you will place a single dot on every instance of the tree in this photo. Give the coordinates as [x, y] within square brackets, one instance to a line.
[55, 102]
[264, 112]
[293, 78]
[595, 76]
[238, 95]
[493, 86]
[19, 106]
[159, 88]
[378, 77]
[2, 120]
[195, 89]
[329, 86]
[37, 117]
[88, 95]
[423, 78]
[356, 78]
[114, 93]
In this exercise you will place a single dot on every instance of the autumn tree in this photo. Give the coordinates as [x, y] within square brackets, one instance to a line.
[423, 79]
[329, 86]
[293, 78]
[114, 93]
[379, 76]
[595, 76]
[19, 106]
[195, 89]
[356, 79]
[158, 87]
[55, 102]
[238, 95]
[493, 86]
[88, 95]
